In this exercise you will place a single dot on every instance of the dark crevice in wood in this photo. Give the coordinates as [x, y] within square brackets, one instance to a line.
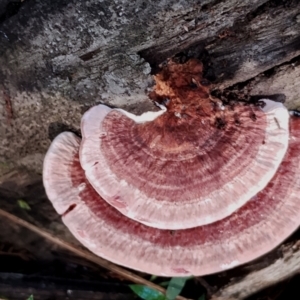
[11, 9]
[196, 50]
[156, 55]
[276, 98]
[209, 6]
[240, 33]
[271, 4]
[89, 55]
[55, 128]
[234, 93]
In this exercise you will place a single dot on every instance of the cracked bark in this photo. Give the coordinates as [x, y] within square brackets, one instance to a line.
[59, 58]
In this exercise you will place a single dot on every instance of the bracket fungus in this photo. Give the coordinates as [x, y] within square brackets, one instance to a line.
[193, 189]
[188, 165]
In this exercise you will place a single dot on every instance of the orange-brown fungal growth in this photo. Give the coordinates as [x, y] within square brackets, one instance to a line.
[184, 87]
[193, 164]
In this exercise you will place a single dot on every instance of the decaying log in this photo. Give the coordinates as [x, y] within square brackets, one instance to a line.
[58, 58]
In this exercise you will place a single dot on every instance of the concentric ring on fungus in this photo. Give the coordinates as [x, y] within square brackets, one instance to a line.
[191, 165]
[256, 228]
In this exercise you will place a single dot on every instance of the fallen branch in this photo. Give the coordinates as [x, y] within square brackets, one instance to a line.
[85, 254]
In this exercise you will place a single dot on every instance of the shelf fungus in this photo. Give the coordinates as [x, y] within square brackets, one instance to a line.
[191, 165]
[193, 189]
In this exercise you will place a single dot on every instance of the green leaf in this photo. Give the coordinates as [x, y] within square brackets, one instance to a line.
[202, 297]
[30, 297]
[146, 293]
[175, 287]
[153, 277]
[164, 283]
[24, 205]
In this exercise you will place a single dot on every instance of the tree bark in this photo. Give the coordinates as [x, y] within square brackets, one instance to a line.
[58, 58]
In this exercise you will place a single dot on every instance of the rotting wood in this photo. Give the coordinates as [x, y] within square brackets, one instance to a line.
[60, 57]
[281, 269]
[85, 254]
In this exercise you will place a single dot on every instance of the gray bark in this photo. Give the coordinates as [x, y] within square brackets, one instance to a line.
[268, 271]
[59, 58]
